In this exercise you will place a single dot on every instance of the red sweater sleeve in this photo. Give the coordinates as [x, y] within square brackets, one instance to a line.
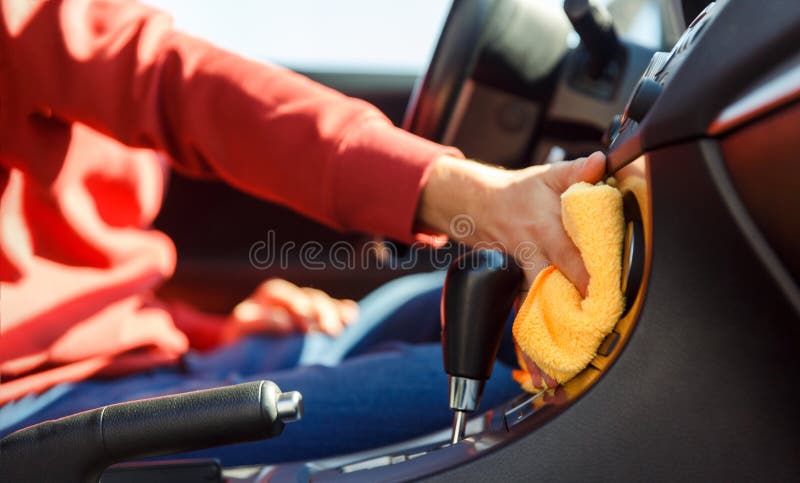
[119, 68]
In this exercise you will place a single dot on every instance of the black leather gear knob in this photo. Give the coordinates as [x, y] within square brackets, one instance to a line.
[478, 294]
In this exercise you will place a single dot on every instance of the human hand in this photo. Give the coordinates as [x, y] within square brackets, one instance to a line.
[281, 307]
[510, 208]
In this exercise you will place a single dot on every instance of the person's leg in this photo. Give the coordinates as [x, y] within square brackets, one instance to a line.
[350, 401]
[366, 402]
[228, 365]
[405, 309]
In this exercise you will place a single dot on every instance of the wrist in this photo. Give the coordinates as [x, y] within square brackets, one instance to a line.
[459, 188]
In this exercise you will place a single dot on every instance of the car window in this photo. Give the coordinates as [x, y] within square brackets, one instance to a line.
[387, 36]
[372, 36]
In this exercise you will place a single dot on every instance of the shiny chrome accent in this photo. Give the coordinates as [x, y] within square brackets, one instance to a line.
[289, 406]
[459, 426]
[465, 393]
[780, 87]
[522, 407]
[369, 464]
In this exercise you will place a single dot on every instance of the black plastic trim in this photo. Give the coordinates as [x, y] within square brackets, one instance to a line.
[741, 42]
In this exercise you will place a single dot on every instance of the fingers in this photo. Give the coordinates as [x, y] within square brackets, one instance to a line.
[532, 268]
[569, 262]
[593, 169]
[561, 250]
[282, 306]
[348, 311]
[328, 319]
[252, 318]
[566, 257]
[281, 293]
[557, 249]
[562, 175]
[539, 378]
[549, 380]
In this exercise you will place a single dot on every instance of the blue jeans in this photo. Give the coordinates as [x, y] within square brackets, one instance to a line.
[378, 383]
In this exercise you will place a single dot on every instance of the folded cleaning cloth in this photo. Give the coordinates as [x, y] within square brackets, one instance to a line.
[555, 328]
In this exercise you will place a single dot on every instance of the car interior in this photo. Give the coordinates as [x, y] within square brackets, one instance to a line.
[695, 382]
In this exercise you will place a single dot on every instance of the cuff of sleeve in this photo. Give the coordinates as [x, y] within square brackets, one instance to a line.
[379, 176]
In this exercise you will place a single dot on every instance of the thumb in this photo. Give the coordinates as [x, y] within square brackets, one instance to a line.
[593, 168]
[566, 173]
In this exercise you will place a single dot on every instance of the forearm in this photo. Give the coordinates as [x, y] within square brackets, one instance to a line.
[119, 68]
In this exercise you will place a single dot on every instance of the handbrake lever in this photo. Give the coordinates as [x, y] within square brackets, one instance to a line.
[79, 447]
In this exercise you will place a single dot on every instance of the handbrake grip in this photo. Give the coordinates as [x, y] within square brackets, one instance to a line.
[79, 447]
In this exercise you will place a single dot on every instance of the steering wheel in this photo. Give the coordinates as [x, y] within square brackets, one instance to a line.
[435, 95]
[504, 86]
[488, 41]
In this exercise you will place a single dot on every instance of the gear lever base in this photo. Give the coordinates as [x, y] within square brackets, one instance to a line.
[465, 395]
[459, 426]
[478, 294]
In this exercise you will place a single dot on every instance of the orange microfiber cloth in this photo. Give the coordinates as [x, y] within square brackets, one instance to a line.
[555, 328]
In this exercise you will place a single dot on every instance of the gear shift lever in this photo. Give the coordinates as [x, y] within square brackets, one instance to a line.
[478, 293]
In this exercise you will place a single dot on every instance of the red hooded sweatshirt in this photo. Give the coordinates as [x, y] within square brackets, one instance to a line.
[94, 96]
